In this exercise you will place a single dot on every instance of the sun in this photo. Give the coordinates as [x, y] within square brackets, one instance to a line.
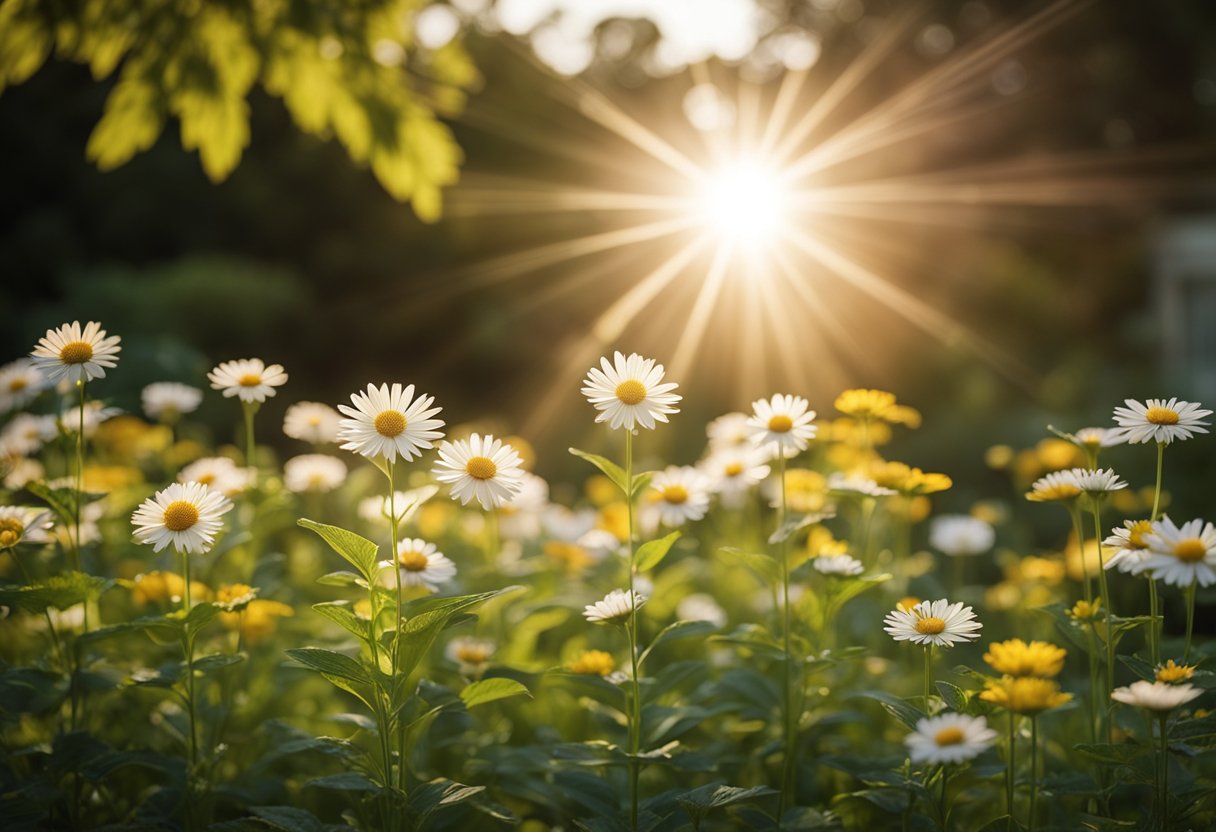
[744, 202]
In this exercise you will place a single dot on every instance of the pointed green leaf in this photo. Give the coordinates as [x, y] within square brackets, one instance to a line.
[490, 690]
[679, 630]
[342, 614]
[611, 470]
[360, 552]
[765, 565]
[652, 552]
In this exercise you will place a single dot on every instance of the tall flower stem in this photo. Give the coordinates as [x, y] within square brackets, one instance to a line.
[1034, 771]
[1110, 614]
[1155, 618]
[1075, 513]
[188, 649]
[391, 471]
[1011, 770]
[928, 677]
[250, 447]
[1157, 489]
[943, 807]
[1189, 592]
[790, 722]
[1164, 796]
[80, 385]
[635, 716]
[1093, 678]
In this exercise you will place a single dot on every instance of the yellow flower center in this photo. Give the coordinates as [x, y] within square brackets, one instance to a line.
[77, 352]
[1135, 535]
[952, 735]
[1161, 416]
[930, 626]
[631, 392]
[413, 561]
[733, 469]
[250, 380]
[180, 515]
[472, 653]
[1190, 550]
[1171, 672]
[316, 480]
[17, 385]
[390, 423]
[780, 423]
[11, 530]
[675, 494]
[481, 468]
[1057, 492]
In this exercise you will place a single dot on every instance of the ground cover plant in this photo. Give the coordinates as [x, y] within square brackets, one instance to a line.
[402, 627]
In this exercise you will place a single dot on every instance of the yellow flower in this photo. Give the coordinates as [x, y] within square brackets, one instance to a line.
[1024, 695]
[805, 490]
[158, 587]
[1171, 672]
[574, 557]
[865, 404]
[854, 433]
[908, 480]
[1044, 570]
[614, 518]
[130, 436]
[1085, 611]
[901, 414]
[1017, 658]
[906, 604]
[912, 509]
[820, 542]
[593, 663]
[998, 457]
[1055, 454]
[258, 620]
[1081, 561]
[601, 490]
[235, 597]
[104, 479]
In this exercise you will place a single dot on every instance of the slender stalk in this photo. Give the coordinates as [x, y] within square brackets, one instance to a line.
[1157, 489]
[1034, 771]
[943, 808]
[80, 385]
[790, 723]
[928, 678]
[635, 716]
[1155, 618]
[250, 447]
[1189, 592]
[188, 648]
[1110, 614]
[1011, 771]
[1093, 679]
[1163, 799]
[492, 538]
[1075, 513]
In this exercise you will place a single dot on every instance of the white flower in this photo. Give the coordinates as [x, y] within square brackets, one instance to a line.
[94, 414]
[249, 379]
[1097, 483]
[73, 354]
[838, 565]
[313, 472]
[855, 484]
[630, 392]
[681, 494]
[960, 535]
[568, 525]
[20, 384]
[26, 433]
[481, 467]
[735, 469]
[1131, 548]
[600, 543]
[729, 431]
[421, 564]
[1093, 438]
[1158, 420]
[19, 471]
[1180, 556]
[312, 422]
[19, 524]
[1058, 486]
[949, 738]
[472, 654]
[187, 515]
[218, 473]
[782, 425]
[701, 607]
[168, 400]
[89, 532]
[615, 608]
[387, 421]
[1156, 696]
[938, 623]
[520, 518]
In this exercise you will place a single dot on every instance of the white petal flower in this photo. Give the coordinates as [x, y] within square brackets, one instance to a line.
[481, 467]
[26, 433]
[421, 564]
[521, 517]
[838, 565]
[615, 608]
[313, 472]
[94, 414]
[960, 535]
[378, 509]
[629, 392]
[167, 400]
[701, 607]
[1181, 556]
[470, 653]
[1093, 439]
[681, 494]
[1156, 696]
[186, 515]
[19, 524]
[856, 485]
[782, 425]
[729, 431]
[249, 379]
[1056, 487]
[20, 383]
[949, 738]
[388, 421]
[1130, 545]
[937, 623]
[1097, 482]
[734, 469]
[1159, 420]
[312, 422]
[218, 473]
[74, 354]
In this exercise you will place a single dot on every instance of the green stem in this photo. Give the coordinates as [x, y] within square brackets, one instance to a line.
[1076, 525]
[1011, 772]
[1093, 679]
[1110, 615]
[635, 716]
[1154, 612]
[250, 447]
[1034, 771]
[788, 797]
[188, 649]
[1163, 798]
[943, 807]
[80, 486]
[1157, 489]
[1189, 592]
[928, 678]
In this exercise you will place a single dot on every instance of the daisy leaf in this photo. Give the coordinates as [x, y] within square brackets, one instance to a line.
[491, 690]
[652, 552]
[358, 551]
[610, 469]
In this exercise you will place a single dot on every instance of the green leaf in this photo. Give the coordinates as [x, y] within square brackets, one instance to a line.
[893, 705]
[490, 690]
[610, 469]
[346, 781]
[765, 565]
[652, 552]
[794, 525]
[342, 614]
[61, 501]
[440, 793]
[200, 616]
[59, 591]
[714, 796]
[678, 630]
[641, 482]
[426, 620]
[342, 579]
[217, 661]
[288, 819]
[1111, 752]
[956, 698]
[358, 551]
[847, 589]
[331, 663]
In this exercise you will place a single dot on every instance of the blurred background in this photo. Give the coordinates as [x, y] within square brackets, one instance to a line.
[1003, 211]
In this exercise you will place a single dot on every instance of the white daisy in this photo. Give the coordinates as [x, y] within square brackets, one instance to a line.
[701, 607]
[249, 379]
[1159, 420]
[615, 608]
[960, 535]
[729, 431]
[19, 524]
[421, 564]
[630, 392]
[90, 529]
[19, 471]
[949, 738]
[568, 525]
[782, 425]
[521, 517]
[938, 623]
[167, 400]
[76, 354]
[94, 414]
[1131, 547]
[218, 473]
[313, 472]
[733, 470]
[387, 421]
[1156, 696]
[1092, 439]
[1180, 556]
[471, 654]
[186, 515]
[26, 433]
[481, 467]
[681, 494]
[1056, 487]
[312, 422]
[838, 565]
[20, 384]
[1095, 483]
[857, 485]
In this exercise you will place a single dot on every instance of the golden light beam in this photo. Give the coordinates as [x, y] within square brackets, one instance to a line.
[698, 317]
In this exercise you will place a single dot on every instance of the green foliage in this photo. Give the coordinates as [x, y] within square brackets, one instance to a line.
[360, 552]
[491, 690]
[356, 75]
[651, 553]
